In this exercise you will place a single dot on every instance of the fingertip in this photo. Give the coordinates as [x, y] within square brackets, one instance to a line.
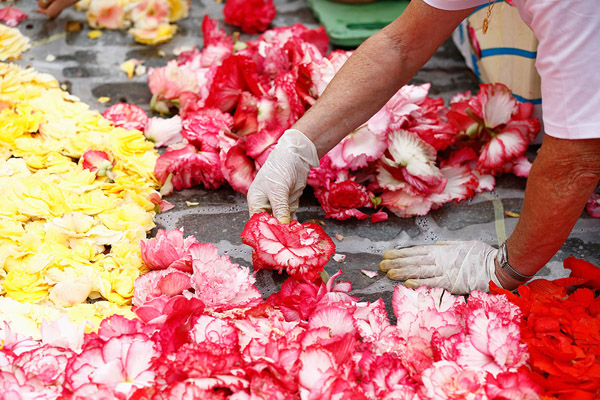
[412, 283]
[395, 275]
[284, 220]
[384, 266]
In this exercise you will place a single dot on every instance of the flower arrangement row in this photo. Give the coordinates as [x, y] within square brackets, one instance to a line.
[78, 195]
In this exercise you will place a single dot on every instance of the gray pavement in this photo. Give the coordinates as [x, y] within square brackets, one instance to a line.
[90, 69]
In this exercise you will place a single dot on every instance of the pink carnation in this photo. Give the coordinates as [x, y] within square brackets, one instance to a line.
[122, 364]
[45, 363]
[219, 283]
[170, 282]
[447, 380]
[127, 116]
[208, 129]
[168, 250]
[187, 167]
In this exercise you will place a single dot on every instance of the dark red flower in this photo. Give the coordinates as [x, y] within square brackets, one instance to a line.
[253, 16]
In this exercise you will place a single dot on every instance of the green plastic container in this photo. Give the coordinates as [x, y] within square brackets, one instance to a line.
[348, 25]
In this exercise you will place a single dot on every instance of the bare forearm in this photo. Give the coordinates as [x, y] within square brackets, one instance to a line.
[562, 179]
[369, 78]
[376, 70]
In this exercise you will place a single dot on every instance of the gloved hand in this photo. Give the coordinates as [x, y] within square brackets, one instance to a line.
[459, 267]
[279, 183]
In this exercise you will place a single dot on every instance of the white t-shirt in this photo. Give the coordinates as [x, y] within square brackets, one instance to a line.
[568, 57]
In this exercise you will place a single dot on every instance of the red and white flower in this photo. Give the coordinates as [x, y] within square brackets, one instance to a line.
[99, 162]
[301, 249]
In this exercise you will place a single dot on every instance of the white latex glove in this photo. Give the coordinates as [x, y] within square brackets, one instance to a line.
[459, 267]
[279, 183]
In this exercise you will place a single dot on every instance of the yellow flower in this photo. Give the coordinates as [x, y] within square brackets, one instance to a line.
[127, 216]
[139, 164]
[67, 293]
[18, 121]
[96, 312]
[161, 34]
[94, 202]
[11, 228]
[12, 43]
[126, 255]
[35, 197]
[127, 143]
[122, 285]
[178, 9]
[21, 286]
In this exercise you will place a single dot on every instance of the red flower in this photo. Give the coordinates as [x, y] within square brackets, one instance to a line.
[593, 205]
[561, 332]
[253, 16]
[186, 167]
[127, 116]
[99, 162]
[236, 74]
[341, 200]
[237, 168]
[12, 16]
[302, 249]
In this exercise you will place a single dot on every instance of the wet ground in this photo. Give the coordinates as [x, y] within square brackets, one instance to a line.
[90, 69]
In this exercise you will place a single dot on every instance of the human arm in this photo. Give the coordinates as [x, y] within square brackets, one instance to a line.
[52, 8]
[561, 181]
[376, 70]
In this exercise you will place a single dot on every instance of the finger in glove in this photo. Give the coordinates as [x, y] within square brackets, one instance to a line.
[414, 272]
[406, 252]
[439, 281]
[401, 262]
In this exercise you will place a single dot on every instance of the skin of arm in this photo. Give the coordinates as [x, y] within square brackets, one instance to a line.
[376, 71]
[562, 179]
[52, 8]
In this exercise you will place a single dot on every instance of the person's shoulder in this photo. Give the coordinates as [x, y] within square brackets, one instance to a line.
[455, 4]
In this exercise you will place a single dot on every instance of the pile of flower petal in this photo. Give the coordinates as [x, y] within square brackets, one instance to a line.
[12, 43]
[301, 249]
[236, 99]
[560, 326]
[312, 340]
[78, 195]
[149, 21]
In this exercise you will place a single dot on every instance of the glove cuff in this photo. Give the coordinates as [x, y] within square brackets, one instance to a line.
[492, 267]
[301, 145]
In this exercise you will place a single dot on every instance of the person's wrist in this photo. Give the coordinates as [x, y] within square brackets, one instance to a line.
[506, 281]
